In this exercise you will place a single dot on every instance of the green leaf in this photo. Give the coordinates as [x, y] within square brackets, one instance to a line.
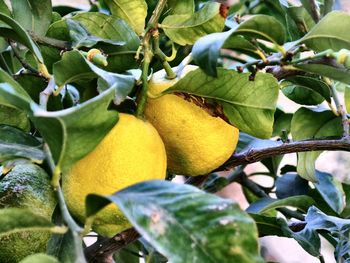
[307, 238]
[347, 98]
[12, 94]
[206, 50]
[302, 19]
[62, 247]
[74, 132]
[301, 94]
[14, 143]
[282, 123]
[327, 68]
[330, 33]
[310, 85]
[132, 11]
[307, 124]
[263, 27]
[267, 226]
[74, 67]
[14, 220]
[39, 258]
[238, 96]
[176, 217]
[81, 37]
[264, 205]
[21, 35]
[127, 254]
[33, 15]
[307, 5]
[120, 58]
[176, 7]
[338, 227]
[291, 184]
[187, 29]
[331, 190]
[14, 117]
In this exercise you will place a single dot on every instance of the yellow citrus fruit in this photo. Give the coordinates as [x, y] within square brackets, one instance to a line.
[130, 153]
[196, 143]
[26, 186]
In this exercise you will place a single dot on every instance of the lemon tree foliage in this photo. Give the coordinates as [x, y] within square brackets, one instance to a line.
[164, 223]
[97, 101]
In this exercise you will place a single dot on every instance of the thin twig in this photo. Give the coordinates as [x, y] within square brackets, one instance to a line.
[103, 250]
[315, 10]
[52, 42]
[259, 192]
[21, 60]
[341, 110]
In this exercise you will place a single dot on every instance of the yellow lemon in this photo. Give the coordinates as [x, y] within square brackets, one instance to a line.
[130, 153]
[196, 143]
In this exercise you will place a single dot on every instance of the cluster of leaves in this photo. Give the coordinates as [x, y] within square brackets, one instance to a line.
[51, 91]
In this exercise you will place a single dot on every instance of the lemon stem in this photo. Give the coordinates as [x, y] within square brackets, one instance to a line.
[144, 77]
[161, 56]
[146, 46]
[76, 230]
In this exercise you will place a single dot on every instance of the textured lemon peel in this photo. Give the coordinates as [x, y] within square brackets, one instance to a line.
[196, 142]
[130, 153]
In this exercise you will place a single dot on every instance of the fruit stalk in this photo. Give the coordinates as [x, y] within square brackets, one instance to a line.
[68, 219]
[152, 26]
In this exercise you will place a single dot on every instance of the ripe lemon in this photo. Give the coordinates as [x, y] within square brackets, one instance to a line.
[26, 186]
[196, 142]
[130, 153]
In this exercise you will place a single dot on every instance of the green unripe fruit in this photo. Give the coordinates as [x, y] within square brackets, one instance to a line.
[26, 186]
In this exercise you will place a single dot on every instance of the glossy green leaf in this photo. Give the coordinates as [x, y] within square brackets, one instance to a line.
[177, 217]
[301, 94]
[187, 29]
[206, 50]
[176, 7]
[311, 85]
[134, 12]
[338, 227]
[14, 220]
[74, 132]
[307, 238]
[267, 226]
[14, 117]
[39, 258]
[74, 67]
[14, 143]
[33, 15]
[330, 33]
[308, 124]
[264, 205]
[328, 68]
[331, 190]
[22, 35]
[82, 38]
[237, 94]
[291, 184]
[263, 27]
[120, 58]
